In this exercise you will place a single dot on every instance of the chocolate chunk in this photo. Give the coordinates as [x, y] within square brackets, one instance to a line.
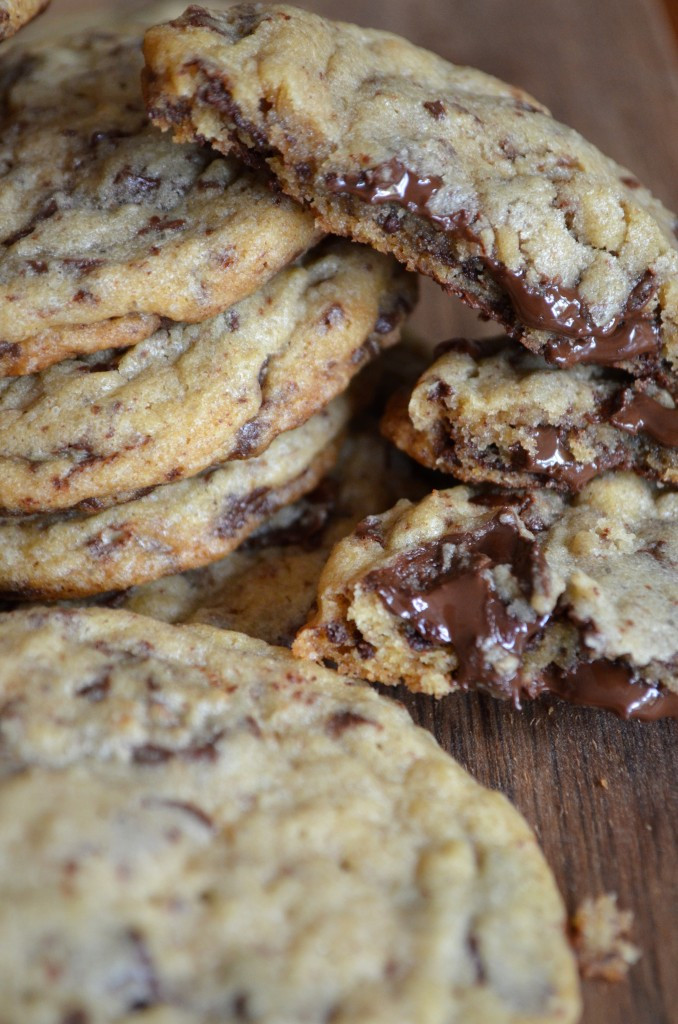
[198, 17]
[247, 439]
[436, 108]
[9, 348]
[47, 211]
[391, 182]
[370, 528]
[553, 458]
[162, 224]
[343, 720]
[237, 512]
[613, 686]
[135, 187]
[639, 412]
[630, 339]
[84, 264]
[554, 307]
[96, 690]
[444, 590]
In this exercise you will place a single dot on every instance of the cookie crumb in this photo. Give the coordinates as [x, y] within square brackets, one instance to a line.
[600, 937]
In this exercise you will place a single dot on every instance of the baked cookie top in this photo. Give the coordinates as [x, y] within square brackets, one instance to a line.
[16, 13]
[194, 395]
[461, 176]
[104, 218]
[221, 831]
[511, 593]
[491, 412]
[176, 526]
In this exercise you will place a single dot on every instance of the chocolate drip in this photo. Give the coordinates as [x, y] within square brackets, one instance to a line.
[391, 182]
[553, 458]
[633, 337]
[551, 306]
[456, 602]
[639, 412]
[613, 686]
[554, 307]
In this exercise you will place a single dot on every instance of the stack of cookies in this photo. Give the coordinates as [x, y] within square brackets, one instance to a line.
[157, 302]
[558, 569]
[202, 828]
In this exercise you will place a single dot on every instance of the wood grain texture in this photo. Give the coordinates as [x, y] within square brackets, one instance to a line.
[601, 793]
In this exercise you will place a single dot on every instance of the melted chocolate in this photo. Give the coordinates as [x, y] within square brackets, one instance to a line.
[457, 603]
[553, 307]
[613, 686]
[553, 458]
[633, 337]
[391, 182]
[549, 307]
[639, 412]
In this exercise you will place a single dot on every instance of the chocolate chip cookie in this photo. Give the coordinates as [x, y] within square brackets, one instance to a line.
[461, 176]
[491, 412]
[106, 225]
[195, 395]
[516, 594]
[174, 527]
[15, 13]
[196, 826]
[288, 552]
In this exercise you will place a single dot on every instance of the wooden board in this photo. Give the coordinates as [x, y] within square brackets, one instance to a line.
[600, 793]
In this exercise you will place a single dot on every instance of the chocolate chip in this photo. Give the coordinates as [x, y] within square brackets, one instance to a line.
[370, 528]
[160, 224]
[337, 633]
[238, 512]
[96, 690]
[339, 722]
[436, 108]
[247, 439]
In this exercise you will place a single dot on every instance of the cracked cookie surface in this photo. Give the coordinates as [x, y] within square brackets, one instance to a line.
[174, 527]
[106, 225]
[195, 395]
[516, 594]
[461, 176]
[490, 412]
[221, 830]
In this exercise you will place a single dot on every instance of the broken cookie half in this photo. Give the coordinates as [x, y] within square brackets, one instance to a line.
[461, 176]
[516, 594]
[490, 412]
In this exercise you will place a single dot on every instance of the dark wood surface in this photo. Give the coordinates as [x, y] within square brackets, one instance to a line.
[601, 793]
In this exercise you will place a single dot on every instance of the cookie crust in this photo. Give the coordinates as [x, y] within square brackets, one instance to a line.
[237, 829]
